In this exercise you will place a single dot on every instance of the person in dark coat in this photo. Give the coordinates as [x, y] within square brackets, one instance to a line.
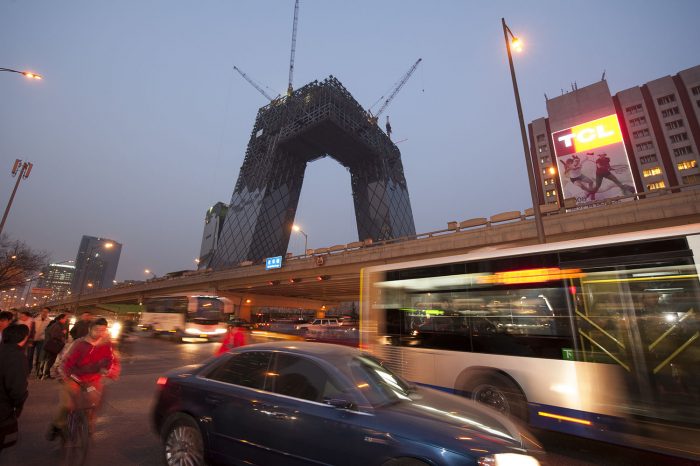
[54, 340]
[81, 327]
[13, 378]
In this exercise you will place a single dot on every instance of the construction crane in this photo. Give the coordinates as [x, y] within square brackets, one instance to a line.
[254, 84]
[374, 117]
[294, 47]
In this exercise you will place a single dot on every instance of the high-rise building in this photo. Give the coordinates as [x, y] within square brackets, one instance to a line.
[650, 135]
[213, 222]
[96, 264]
[58, 277]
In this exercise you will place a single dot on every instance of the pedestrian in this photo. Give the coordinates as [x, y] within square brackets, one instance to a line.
[55, 337]
[40, 324]
[25, 318]
[86, 362]
[81, 327]
[5, 320]
[235, 337]
[13, 381]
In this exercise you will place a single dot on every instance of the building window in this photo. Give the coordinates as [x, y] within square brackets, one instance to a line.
[633, 109]
[540, 138]
[674, 124]
[687, 165]
[641, 133]
[548, 181]
[691, 179]
[657, 185]
[696, 90]
[645, 146]
[551, 192]
[639, 121]
[683, 151]
[670, 112]
[544, 160]
[667, 99]
[679, 137]
[647, 158]
[651, 172]
[543, 148]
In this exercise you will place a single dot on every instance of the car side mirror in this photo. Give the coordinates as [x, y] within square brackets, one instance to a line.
[339, 403]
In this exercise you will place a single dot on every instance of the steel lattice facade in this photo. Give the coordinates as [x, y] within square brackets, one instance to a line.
[320, 119]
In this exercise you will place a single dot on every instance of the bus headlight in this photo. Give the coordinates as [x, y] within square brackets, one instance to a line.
[193, 331]
[219, 331]
[508, 459]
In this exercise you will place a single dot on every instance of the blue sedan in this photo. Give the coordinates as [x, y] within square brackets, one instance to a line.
[289, 403]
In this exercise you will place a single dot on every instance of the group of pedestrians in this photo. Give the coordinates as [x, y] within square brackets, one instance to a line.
[35, 345]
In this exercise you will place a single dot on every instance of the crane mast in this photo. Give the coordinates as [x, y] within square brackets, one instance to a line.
[294, 47]
[254, 84]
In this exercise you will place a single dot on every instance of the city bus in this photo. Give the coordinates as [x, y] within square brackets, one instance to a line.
[186, 317]
[595, 337]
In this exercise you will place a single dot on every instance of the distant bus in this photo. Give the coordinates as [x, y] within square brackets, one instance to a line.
[186, 317]
[597, 337]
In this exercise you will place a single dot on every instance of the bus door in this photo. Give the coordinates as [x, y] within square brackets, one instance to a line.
[643, 317]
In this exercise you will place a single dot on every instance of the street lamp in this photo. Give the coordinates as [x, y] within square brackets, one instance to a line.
[23, 169]
[27, 74]
[148, 271]
[516, 44]
[306, 238]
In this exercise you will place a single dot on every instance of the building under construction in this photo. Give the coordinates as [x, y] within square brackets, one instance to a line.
[320, 119]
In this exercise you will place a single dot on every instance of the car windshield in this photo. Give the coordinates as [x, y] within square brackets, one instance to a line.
[377, 383]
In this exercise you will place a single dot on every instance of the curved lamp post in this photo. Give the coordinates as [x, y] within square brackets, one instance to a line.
[27, 74]
[513, 42]
[306, 238]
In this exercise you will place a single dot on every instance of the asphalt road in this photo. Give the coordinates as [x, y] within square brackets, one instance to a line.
[124, 435]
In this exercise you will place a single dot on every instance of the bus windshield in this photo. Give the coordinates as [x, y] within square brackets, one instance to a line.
[207, 310]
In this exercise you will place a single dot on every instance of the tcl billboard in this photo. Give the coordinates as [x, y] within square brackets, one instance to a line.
[592, 161]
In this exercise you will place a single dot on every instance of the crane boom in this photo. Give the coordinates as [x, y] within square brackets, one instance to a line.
[294, 47]
[254, 84]
[397, 88]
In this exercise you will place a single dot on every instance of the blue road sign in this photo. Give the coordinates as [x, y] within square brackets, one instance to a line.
[273, 263]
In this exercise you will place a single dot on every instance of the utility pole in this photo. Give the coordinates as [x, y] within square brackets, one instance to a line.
[22, 171]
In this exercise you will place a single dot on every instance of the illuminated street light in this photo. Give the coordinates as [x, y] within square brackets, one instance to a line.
[297, 228]
[27, 74]
[515, 43]
[148, 271]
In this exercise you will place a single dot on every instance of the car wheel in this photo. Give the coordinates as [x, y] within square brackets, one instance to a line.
[182, 442]
[499, 393]
[405, 462]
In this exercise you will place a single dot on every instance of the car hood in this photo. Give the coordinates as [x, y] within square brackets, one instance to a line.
[459, 422]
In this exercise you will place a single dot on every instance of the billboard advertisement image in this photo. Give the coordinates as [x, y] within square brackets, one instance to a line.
[592, 161]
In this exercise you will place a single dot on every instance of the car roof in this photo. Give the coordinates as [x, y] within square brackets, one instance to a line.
[305, 347]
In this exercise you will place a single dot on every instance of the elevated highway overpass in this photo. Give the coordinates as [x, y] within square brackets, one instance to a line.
[332, 275]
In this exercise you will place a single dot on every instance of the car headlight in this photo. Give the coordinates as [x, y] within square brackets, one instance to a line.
[193, 331]
[508, 459]
[220, 330]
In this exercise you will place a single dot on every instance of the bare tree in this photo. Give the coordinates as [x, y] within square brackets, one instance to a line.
[18, 262]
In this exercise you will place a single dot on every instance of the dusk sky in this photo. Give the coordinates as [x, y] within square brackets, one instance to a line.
[141, 123]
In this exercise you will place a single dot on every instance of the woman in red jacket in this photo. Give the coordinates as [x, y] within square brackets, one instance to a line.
[235, 337]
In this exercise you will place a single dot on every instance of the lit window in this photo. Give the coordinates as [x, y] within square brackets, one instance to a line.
[657, 185]
[651, 171]
[552, 192]
[688, 164]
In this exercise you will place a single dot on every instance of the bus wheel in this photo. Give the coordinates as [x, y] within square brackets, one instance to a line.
[500, 393]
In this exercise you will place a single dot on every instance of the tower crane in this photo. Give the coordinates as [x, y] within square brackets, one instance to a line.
[254, 84]
[374, 117]
[294, 47]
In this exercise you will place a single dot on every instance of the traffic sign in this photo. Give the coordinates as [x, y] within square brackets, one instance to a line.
[273, 262]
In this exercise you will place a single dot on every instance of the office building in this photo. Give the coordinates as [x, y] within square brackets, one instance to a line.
[96, 264]
[213, 222]
[650, 135]
[57, 277]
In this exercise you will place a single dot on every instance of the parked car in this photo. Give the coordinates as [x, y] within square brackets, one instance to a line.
[300, 402]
